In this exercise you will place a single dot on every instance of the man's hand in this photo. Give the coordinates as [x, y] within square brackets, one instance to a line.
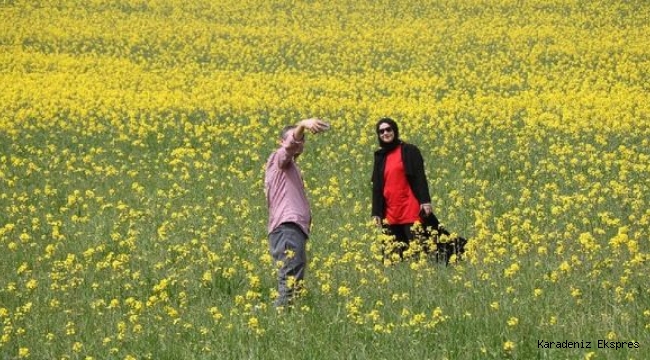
[426, 208]
[314, 125]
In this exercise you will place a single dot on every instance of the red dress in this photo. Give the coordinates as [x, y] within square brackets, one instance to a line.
[402, 207]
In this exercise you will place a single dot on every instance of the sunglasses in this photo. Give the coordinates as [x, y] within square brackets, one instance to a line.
[385, 130]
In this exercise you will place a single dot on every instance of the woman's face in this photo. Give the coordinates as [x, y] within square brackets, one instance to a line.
[386, 133]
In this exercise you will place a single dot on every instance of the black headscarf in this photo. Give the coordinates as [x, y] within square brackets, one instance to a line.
[387, 147]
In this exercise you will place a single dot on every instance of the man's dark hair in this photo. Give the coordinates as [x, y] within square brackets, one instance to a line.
[285, 130]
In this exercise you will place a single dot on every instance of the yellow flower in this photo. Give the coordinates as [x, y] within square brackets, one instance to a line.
[216, 314]
[344, 291]
[325, 288]
[31, 284]
[22, 268]
[114, 304]
[565, 266]
[513, 321]
[508, 346]
[575, 292]
[207, 277]
[512, 270]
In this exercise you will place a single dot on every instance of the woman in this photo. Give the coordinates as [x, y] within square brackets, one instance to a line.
[400, 192]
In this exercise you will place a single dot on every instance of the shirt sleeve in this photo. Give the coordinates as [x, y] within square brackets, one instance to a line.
[378, 186]
[414, 164]
[290, 147]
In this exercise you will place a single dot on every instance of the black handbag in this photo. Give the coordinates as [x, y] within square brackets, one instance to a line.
[445, 244]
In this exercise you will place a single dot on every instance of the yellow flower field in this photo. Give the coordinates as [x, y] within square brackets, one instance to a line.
[133, 138]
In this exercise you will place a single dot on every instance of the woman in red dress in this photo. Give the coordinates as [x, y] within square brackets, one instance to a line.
[400, 192]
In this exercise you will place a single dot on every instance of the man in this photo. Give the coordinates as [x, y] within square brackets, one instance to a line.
[289, 213]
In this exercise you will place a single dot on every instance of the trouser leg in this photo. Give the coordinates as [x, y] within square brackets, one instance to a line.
[403, 235]
[287, 244]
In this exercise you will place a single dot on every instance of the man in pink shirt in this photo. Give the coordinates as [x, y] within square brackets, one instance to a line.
[289, 214]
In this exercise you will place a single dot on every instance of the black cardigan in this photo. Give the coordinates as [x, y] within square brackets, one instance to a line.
[414, 168]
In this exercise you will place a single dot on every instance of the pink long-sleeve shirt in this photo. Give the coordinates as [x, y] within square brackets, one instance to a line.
[284, 187]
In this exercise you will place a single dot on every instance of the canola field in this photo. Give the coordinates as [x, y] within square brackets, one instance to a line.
[133, 138]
